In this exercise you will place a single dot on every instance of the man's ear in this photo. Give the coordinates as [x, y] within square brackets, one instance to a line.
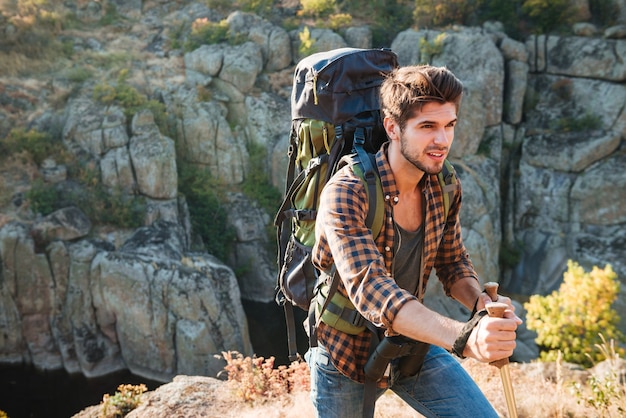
[392, 128]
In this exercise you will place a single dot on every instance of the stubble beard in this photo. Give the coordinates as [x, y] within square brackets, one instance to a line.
[413, 159]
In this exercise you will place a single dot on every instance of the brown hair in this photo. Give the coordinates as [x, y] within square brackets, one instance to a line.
[407, 89]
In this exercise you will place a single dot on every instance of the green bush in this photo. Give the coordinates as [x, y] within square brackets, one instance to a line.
[101, 206]
[39, 145]
[307, 44]
[572, 320]
[208, 215]
[428, 49]
[317, 8]
[548, 15]
[257, 185]
[205, 32]
[131, 100]
[586, 122]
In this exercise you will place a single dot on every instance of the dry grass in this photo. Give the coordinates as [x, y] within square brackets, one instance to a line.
[536, 396]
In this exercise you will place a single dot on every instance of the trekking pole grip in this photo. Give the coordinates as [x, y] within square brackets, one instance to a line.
[495, 310]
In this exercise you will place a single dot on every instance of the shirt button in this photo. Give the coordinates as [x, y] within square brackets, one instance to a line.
[396, 199]
[387, 197]
[387, 249]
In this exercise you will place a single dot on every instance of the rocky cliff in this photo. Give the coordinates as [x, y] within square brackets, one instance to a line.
[539, 148]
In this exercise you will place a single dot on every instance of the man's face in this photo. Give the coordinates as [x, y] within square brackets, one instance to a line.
[426, 139]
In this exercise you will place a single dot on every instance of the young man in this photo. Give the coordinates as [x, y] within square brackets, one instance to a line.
[385, 278]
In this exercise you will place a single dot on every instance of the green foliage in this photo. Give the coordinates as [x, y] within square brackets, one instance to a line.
[338, 21]
[388, 18]
[205, 32]
[510, 255]
[43, 198]
[604, 12]
[39, 145]
[587, 122]
[257, 185]
[261, 8]
[428, 49]
[548, 15]
[307, 44]
[125, 399]
[208, 215]
[606, 392]
[110, 15]
[571, 319]
[100, 205]
[131, 100]
[429, 13]
[317, 8]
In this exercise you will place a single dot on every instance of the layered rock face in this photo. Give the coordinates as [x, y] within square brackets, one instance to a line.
[539, 149]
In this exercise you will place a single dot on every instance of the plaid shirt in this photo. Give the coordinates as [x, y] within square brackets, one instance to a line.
[365, 266]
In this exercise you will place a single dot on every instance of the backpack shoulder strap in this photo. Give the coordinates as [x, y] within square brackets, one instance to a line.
[449, 184]
[374, 189]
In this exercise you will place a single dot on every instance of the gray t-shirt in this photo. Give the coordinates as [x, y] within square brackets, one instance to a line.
[408, 257]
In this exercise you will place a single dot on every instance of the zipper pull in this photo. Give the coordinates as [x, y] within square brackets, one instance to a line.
[315, 89]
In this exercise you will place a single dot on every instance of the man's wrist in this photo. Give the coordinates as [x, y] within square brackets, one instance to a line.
[461, 341]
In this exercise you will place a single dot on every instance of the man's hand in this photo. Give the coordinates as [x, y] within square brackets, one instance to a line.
[493, 338]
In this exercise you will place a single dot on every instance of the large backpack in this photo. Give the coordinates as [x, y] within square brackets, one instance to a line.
[335, 112]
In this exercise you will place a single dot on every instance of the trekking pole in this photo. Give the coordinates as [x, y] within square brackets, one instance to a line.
[496, 309]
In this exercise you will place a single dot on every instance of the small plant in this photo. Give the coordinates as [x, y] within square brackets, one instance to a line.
[131, 100]
[588, 122]
[127, 398]
[428, 49]
[39, 145]
[255, 380]
[604, 394]
[208, 216]
[548, 15]
[338, 21]
[570, 320]
[307, 44]
[205, 32]
[317, 8]
[261, 8]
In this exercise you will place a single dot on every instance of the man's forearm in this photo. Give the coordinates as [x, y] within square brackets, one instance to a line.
[416, 321]
[466, 291]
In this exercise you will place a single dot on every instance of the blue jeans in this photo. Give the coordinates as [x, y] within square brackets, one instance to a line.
[442, 389]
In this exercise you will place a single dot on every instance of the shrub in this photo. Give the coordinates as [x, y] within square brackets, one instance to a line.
[587, 122]
[257, 185]
[604, 394]
[205, 32]
[338, 21]
[255, 380]
[429, 13]
[127, 398]
[570, 320]
[131, 100]
[428, 49]
[307, 44]
[39, 145]
[208, 216]
[548, 15]
[43, 198]
[317, 8]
